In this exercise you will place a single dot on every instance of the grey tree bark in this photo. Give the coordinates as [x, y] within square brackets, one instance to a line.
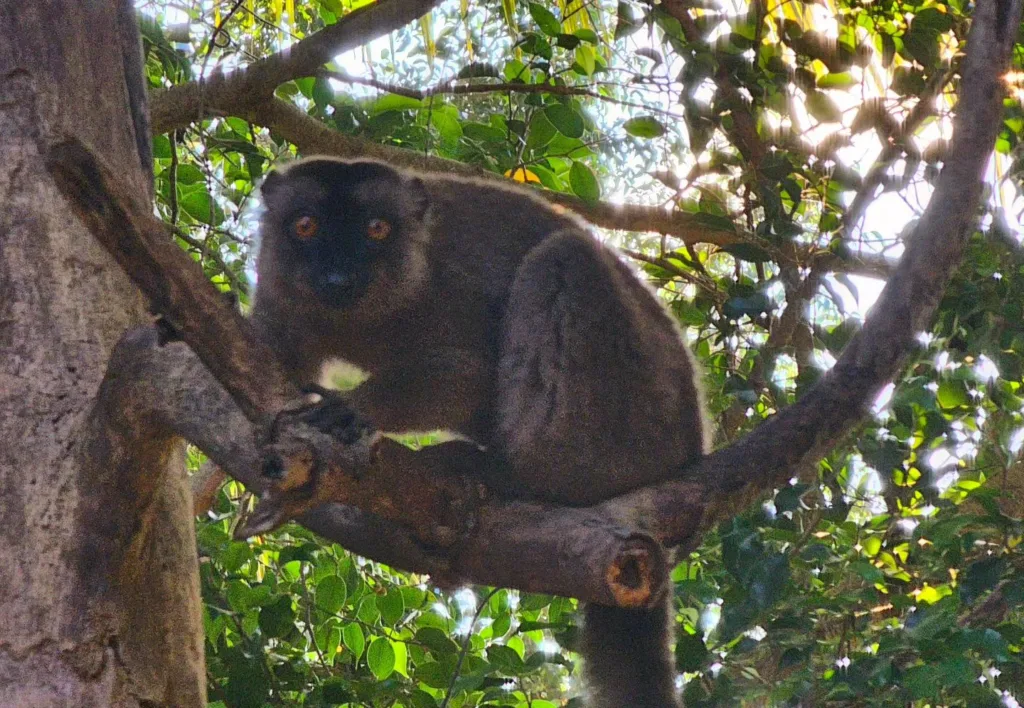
[99, 591]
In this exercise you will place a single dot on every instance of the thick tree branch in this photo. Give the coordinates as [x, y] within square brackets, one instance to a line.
[142, 245]
[179, 106]
[249, 93]
[568, 551]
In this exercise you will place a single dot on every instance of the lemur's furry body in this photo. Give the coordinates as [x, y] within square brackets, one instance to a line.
[485, 311]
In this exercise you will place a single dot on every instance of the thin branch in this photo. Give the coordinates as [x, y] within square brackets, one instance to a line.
[922, 110]
[313, 137]
[452, 89]
[214, 254]
[248, 93]
[217, 31]
[465, 648]
[703, 282]
[172, 178]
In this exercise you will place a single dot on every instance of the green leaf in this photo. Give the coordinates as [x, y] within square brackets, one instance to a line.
[368, 612]
[545, 19]
[750, 305]
[337, 7]
[277, 619]
[644, 127]
[872, 545]
[506, 659]
[823, 108]
[568, 41]
[990, 643]
[305, 85]
[353, 639]
[335, 690]
[439, 643]
[587, 35]
[981, 576]
[448, 126]
[161, 147]
[868, 571]
[330, 594]
[197, 203]
[536, 44]
[586, 58]
[841, 80]
[548, 178]
[769, 579]
[625, 24]
[391, 606]
[952, 394]
[516, 70]
[568, 122]
[323, 94]
[922, 42]
[380, 657]
[247, 685]
[541, 131]
[189, 175]
[691, 652]
[433, 674]
[584, 183]
[747, 252]
[235, 556]
[395, 102]
[483, 132]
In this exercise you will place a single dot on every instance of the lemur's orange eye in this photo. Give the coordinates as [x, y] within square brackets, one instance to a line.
[378, 229]
[306, 227]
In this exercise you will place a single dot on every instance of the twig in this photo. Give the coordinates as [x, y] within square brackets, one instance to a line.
[703, 282]
[453, 89]
[214, 254]
[465, 648]
[923, 109]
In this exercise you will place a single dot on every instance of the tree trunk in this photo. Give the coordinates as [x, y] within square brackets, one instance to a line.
[99, 592]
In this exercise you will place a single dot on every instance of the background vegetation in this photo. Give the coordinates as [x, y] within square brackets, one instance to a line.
[770, 155]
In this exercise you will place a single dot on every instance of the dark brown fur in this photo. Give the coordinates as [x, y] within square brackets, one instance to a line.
[496, 316]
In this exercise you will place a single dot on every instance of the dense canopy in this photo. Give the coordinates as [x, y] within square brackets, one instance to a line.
[760, 163]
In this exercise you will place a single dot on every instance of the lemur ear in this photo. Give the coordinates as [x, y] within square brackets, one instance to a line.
[419, 199]
[271, 184]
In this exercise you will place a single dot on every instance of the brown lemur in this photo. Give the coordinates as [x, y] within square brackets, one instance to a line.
[480, 309]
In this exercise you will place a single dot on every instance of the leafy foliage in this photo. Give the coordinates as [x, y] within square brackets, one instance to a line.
[890, 574]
